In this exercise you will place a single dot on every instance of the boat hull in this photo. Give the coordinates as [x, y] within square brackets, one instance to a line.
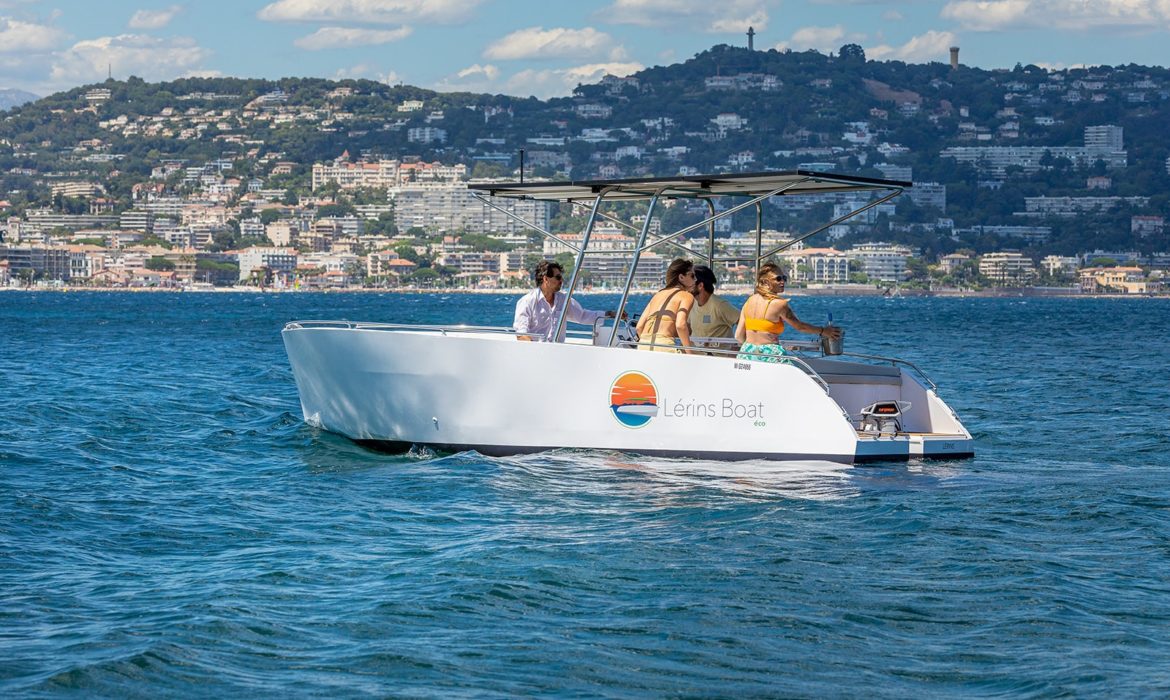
[499, 396]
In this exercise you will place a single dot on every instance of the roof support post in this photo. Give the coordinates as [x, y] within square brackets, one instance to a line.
[564, 317]
[759, 236]
[638, 247]
[711, 236]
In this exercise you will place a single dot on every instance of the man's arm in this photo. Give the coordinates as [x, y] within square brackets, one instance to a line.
[522, 322]
[579, 314]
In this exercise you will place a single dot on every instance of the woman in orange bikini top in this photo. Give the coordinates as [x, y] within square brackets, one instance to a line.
[763, 316]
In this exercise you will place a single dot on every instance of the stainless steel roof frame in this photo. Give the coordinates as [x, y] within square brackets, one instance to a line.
[755, 187]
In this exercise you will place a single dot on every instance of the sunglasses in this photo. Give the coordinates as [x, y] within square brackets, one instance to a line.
[554, 277]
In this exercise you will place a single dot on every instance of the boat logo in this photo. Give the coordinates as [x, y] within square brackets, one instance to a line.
[633, 398]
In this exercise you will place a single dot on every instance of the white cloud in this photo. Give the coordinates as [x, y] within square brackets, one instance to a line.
[1082, 15]
[475, 78]
[147, 57]
[22, 37]
[553, 82]
[538, 42]
[154, 19]
[560, 82]
[343, 37]
[931, 46]
[727, 16]
[488, 71]
[368, 72]
[823, 39]
[369, 11]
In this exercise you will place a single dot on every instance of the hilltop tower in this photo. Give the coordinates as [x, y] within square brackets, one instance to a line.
[751, 37]
[954, 57]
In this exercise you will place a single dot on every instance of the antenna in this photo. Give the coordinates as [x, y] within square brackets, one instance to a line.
[110, 71]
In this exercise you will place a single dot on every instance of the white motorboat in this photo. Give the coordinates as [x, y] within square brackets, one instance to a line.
[479, 388]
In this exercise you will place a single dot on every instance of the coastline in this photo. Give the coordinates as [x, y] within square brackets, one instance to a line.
[732, 290]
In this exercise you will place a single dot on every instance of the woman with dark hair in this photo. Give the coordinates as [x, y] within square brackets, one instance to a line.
[665, 317]
[763, 317]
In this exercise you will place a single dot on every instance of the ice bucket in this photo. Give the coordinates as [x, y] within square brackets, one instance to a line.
[832, 346]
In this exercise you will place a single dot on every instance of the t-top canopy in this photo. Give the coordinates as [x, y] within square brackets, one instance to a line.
[690, 186]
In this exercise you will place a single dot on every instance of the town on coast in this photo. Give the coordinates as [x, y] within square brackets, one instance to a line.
[306, 184]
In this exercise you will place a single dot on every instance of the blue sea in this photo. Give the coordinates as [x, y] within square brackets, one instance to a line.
[170, 527]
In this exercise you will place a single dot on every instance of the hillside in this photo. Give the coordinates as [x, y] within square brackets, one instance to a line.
[726, 109]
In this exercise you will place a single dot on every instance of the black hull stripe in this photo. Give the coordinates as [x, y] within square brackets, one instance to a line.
[396, 447]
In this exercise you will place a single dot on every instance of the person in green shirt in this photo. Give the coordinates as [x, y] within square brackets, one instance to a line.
[712, 316]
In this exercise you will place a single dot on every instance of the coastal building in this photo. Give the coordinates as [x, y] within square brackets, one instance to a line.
[387, 263]
[949, 263]
[1105, 138]
[816, 265]
[929, 194]
[136, 220]
[452, 207]
[883, 262]
[426, 134]
[1007, 268]
[1102, 143]
[1113, 280]
[1031, 235]
[762, 82]
[1115, 257]
[1147, 226]
[274, 260]
[1072, 206]
[1058, 264]
[473, 262]
[45, 219]
[283, 233]
[350, 176]
[46, 262]
[76, 189]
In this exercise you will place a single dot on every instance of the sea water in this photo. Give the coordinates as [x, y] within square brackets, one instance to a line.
[170, 526]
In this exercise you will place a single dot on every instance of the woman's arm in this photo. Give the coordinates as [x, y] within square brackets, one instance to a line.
[740, 330]
[644, 317]
[682, 327]
[790, 318]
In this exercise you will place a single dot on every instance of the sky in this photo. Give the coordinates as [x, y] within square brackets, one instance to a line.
[540, 47]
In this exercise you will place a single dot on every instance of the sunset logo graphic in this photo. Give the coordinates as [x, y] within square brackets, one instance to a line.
[633, 398]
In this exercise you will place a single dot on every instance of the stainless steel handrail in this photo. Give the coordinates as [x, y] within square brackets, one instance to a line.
[444, 329]
[501, 330]
[733, 353]
[895, 361]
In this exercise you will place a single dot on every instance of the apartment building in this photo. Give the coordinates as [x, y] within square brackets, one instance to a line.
[1007, 268]
[352, 176]
[817, 265]
[452, 207]
[275, 260]
[884, 262]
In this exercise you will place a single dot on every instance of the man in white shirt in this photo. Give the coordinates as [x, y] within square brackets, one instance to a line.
[537, 312]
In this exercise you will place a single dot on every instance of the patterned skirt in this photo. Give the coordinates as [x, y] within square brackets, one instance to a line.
[762, 352]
